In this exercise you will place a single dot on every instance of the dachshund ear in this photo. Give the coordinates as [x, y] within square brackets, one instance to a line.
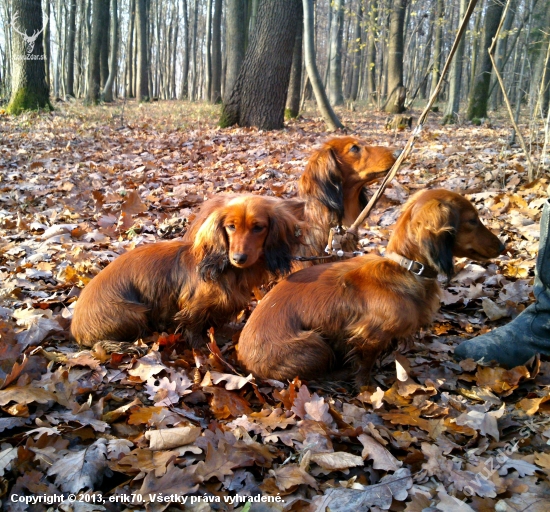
[322, 180]
[296, 207]
[210, 247]
[435, 224]
[284, 236]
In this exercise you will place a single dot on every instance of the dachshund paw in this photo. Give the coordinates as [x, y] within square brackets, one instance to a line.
[121, 347]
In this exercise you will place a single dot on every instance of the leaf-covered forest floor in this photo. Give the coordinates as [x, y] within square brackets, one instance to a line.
[82, 185]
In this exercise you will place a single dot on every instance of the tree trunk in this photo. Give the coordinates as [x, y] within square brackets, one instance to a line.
[195, 51]
[208, 64]
[371, 51]
[258, 98]
[357, 45]
[395, 104]
[142, 86]
[94, 66]
[335, 94]
[436, 68]
[538, 50]
[295, 87]
[104, 48]
[309, 52]
[108, 91]
[216, 89]
[47, 44]
[130, 92]
[235, 38]
[185, 64]
[479, 93]
[29, 90]
[496, 97]
[455, 77]
[70, 48]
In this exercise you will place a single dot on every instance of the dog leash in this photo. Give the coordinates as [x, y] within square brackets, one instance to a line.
[352, 232]
[334, 248]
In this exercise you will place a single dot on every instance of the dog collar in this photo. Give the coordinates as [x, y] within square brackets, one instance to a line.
[417, 268]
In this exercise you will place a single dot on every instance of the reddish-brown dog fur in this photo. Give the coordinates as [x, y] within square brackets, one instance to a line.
[352, 310]
[333, 186]
[234, 244]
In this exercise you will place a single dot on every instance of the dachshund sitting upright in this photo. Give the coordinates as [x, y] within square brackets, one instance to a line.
[333, 186]
[236, 243]
[351, 311]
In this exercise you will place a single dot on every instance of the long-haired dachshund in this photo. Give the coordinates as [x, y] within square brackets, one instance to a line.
[333, 186]
[352, 310]
[235, 243]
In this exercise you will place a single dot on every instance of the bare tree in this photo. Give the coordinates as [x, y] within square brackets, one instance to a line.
[142, 88]
[395, 103]
[98, 32]
[113, 66]
[309, 52]
[295, 86]
[216, 89]
[479, 93]
[29, 90]
[335, 94]
[235, 34]
[258, 97]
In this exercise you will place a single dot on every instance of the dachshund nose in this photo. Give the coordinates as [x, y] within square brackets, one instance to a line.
[239, 258]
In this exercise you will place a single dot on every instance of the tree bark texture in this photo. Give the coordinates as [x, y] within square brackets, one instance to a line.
[113, 67]
[357, 46]
[208, 65]
[104, 48]
[185, 64]
[395, 104]
[317, 85]
[371, 51]
[94, 67]
[235, 33]
[29, 90]
[70, 47]
[216, 89]
[479, 93]
[436, 68]
[335, 94]
[455, 76]
[258, 98]
[142, 85]
[295, 86]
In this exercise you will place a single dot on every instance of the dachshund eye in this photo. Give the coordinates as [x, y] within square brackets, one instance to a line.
[258, 229]
[230, 227]
[473, 222]
[354, 149]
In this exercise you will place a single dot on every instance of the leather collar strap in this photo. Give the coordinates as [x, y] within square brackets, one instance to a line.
[417, 268]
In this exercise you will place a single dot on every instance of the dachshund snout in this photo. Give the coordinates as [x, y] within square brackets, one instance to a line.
[239, 258]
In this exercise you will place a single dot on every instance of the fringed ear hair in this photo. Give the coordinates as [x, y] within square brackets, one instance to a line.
[322, 180]
[210, 247]
[284, 236]
[435, 224]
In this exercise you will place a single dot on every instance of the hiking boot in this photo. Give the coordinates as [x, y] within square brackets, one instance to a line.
[529, 333]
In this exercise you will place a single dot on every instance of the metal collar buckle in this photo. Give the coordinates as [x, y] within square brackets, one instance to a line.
[410, 267]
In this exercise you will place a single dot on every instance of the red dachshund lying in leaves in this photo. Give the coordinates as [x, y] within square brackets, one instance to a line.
[333, 186]
[352, 310]
[236, 243]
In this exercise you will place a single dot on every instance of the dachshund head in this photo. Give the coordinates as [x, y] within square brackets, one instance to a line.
[243, 231]
[437, 225]
[342, 164]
